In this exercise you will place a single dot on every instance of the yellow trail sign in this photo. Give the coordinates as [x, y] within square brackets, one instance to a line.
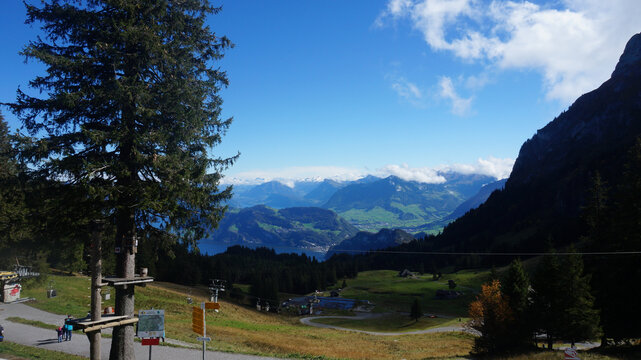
[212, 306]
[198, 321]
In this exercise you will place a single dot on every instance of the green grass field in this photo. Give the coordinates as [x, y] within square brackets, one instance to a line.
[244, 330]
[392, 293]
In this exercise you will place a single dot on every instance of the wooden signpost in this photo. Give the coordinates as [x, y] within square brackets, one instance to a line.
[198, 323]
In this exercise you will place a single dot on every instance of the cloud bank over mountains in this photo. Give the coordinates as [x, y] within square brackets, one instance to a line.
[498, 168]
[573, 44]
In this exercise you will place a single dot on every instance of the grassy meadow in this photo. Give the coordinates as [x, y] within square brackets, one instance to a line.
[241, 329]
[244, 330]
[392, 293]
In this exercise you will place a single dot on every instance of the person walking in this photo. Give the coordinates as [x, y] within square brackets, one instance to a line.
[59, 331]
[68, 327]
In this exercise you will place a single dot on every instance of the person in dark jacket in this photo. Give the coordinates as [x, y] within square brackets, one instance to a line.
[59, 331]
[68, 327]
[1, 333]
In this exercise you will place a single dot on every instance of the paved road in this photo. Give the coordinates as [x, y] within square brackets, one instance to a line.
[362, 316]
[79, 344]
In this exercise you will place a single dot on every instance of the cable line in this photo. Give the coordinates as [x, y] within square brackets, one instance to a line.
[494, 253]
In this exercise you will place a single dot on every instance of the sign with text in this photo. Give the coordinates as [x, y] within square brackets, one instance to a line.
[198, 321]
[149, 342]
[151, 323]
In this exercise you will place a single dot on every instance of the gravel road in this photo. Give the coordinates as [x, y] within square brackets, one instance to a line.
[79, 344]
[362, 316]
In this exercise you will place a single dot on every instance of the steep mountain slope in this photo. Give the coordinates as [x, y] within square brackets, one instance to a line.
[544, 194]
[287, 230]
[476, 200]
[324, 191]
[371, 241]
[396, 203]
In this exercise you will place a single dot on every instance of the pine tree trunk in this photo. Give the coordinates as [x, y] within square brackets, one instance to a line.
[122, 344]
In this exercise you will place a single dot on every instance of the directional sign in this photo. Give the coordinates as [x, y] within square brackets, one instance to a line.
[212, 306]
[198, 321]
[203, 338]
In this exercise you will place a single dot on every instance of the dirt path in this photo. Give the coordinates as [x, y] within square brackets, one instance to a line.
[363, 316]
[79, 344]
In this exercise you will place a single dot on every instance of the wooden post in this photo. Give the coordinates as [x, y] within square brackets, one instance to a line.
[96, 280]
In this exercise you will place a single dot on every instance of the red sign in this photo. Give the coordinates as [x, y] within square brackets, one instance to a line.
[571, 354]
[154, 341]
[15, 290]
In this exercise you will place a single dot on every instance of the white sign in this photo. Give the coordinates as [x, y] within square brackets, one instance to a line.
[151, 323]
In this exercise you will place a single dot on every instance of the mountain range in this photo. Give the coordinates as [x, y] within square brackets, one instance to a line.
[371, 204]
[299, 229]
[409, 205]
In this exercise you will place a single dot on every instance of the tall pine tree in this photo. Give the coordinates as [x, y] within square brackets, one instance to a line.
[580, 319]
[546, 298]
[14, 229]
[130, 115]
[516, 288]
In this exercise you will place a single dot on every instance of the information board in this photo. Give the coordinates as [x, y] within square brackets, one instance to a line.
[151, 323]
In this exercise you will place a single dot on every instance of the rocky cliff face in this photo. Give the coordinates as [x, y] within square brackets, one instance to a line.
[544, 194]
[592, 134]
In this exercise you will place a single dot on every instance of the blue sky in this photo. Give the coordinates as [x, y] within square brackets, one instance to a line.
[341, 89]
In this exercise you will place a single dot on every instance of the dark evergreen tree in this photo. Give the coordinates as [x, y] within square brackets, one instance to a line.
[131, 113]
[14, 230]
[416, 312]
[516, 288]
[580, 320]
[547, 303]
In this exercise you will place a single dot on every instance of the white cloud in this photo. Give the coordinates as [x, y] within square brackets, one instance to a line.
[460, 105]
[574, 45]
[290, 175]
[498, 168]
[407, 90]
[423, 175]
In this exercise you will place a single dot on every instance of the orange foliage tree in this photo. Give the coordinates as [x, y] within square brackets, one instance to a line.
[492, 317]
